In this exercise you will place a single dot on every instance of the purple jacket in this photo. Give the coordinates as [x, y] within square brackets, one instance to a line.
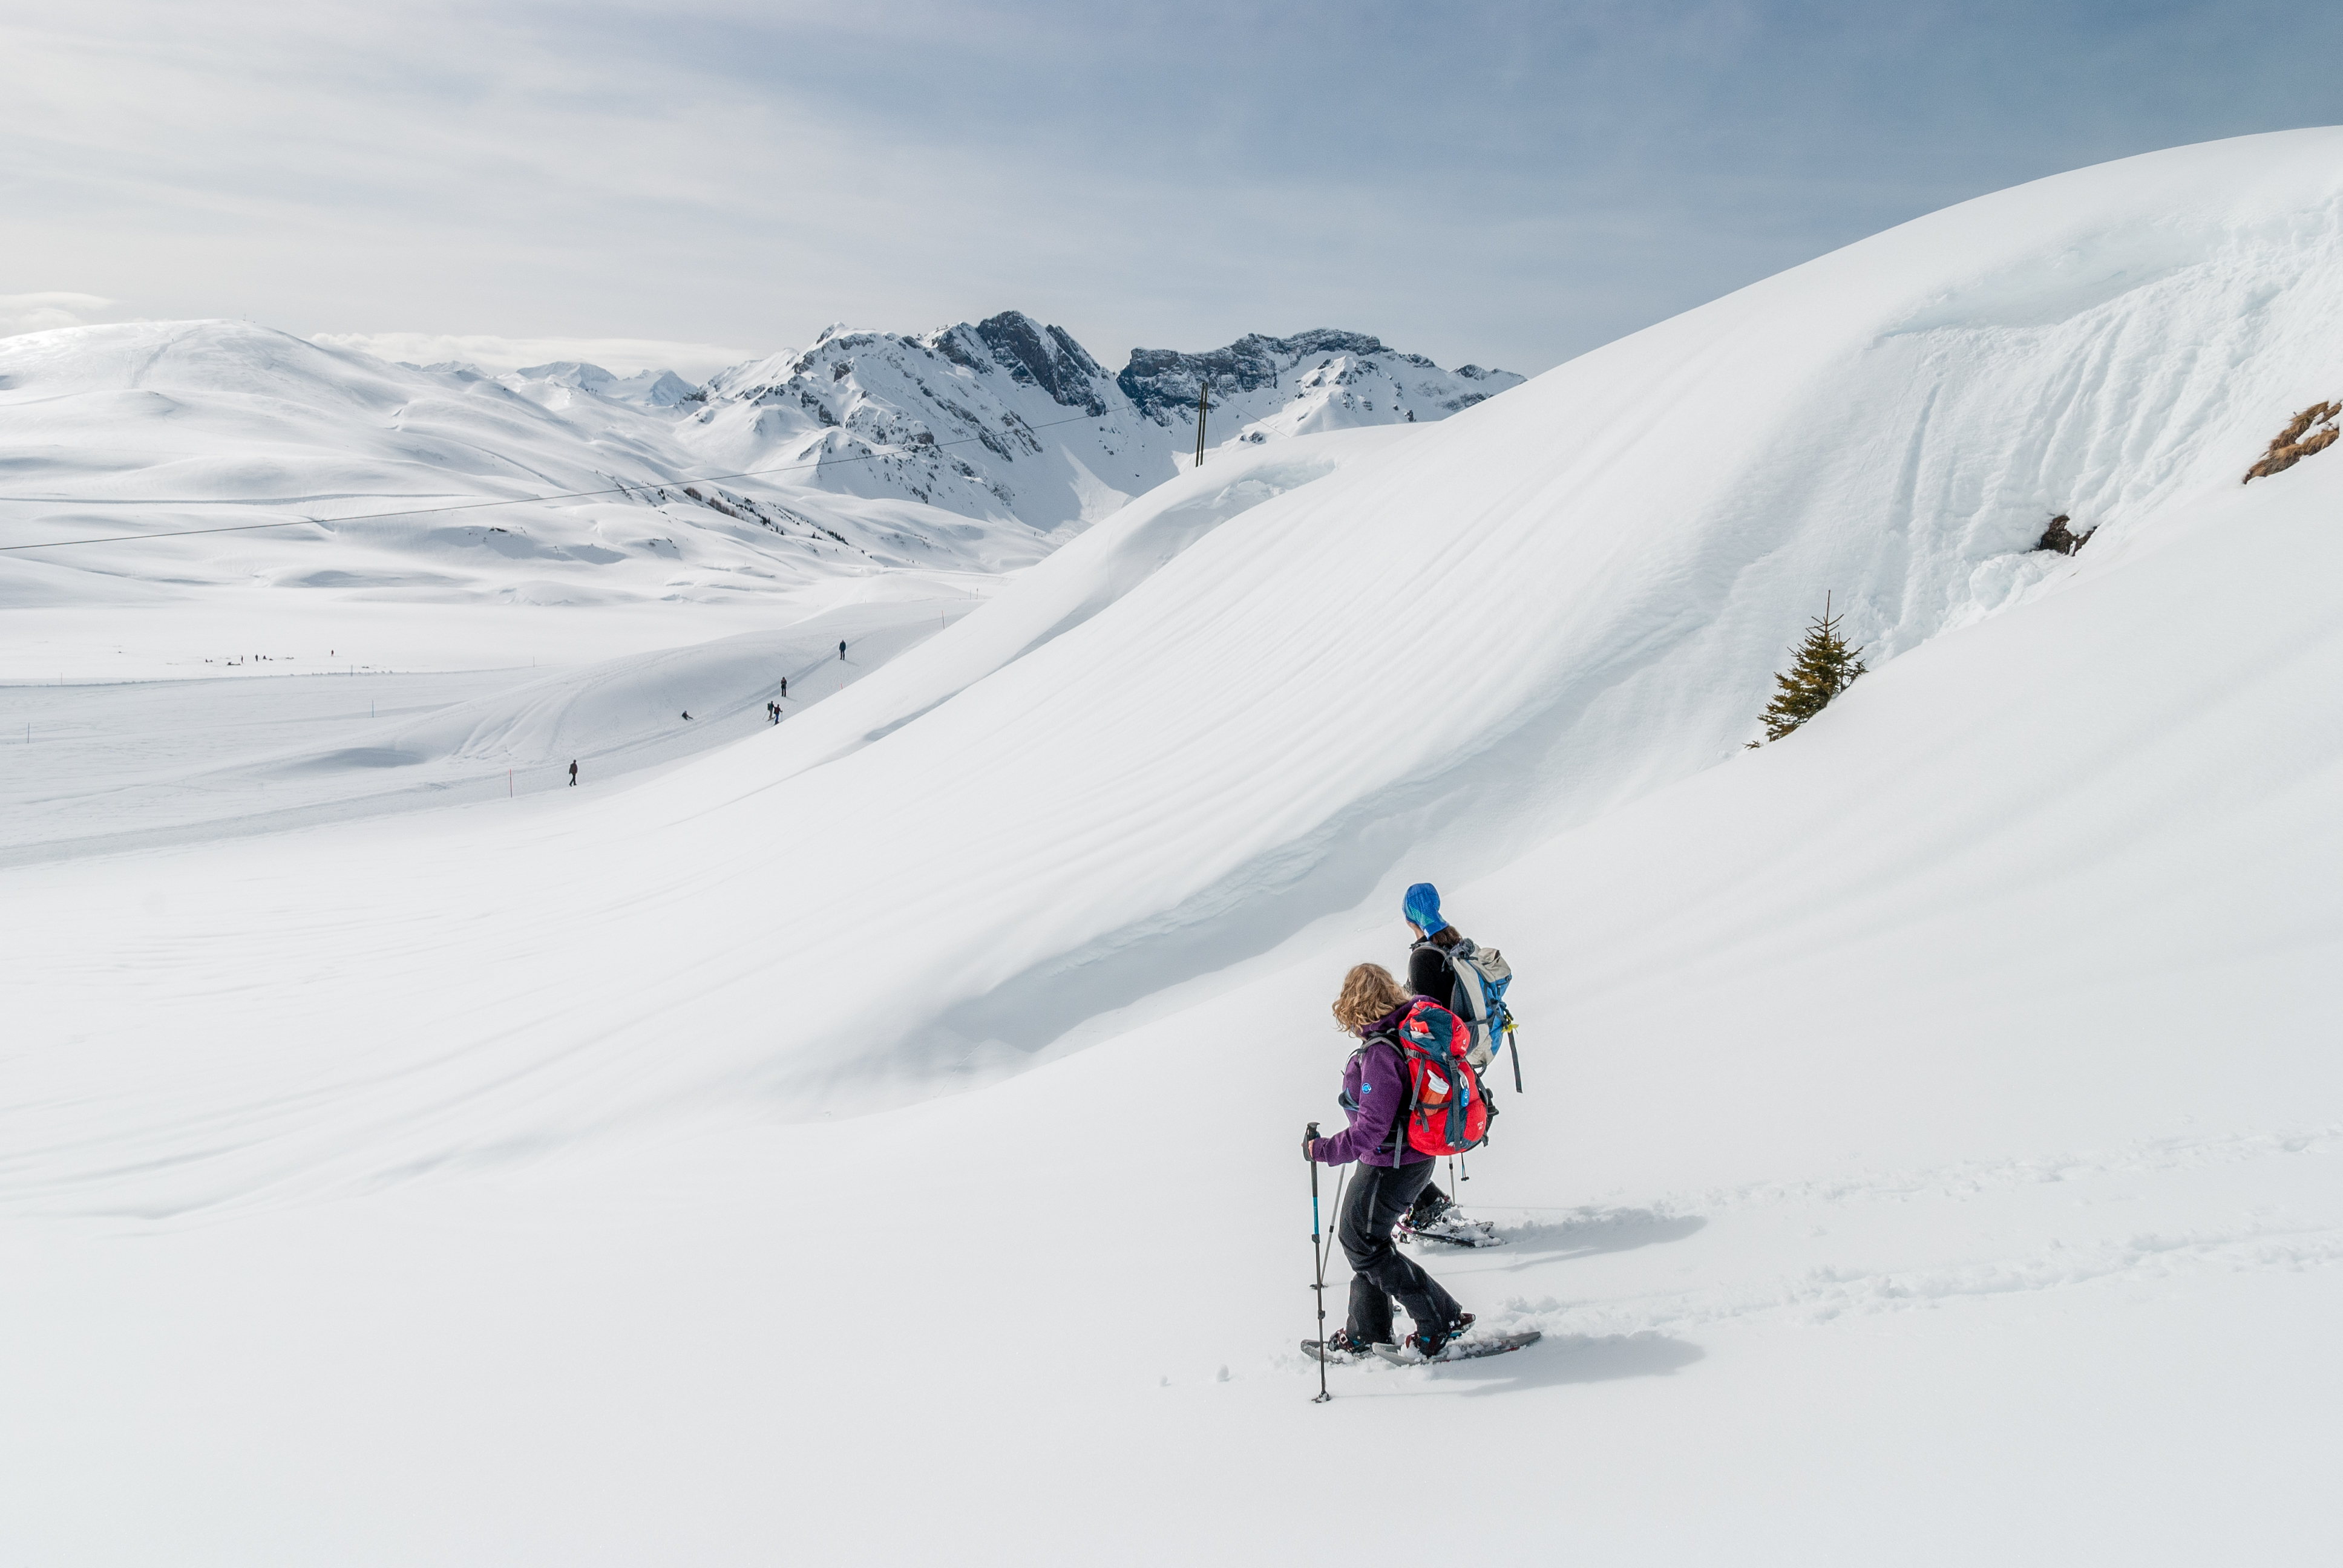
[1375, 1083]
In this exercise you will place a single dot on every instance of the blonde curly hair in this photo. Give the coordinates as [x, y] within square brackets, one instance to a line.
[1368, 993]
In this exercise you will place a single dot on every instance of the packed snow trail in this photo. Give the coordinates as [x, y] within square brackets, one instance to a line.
[124, 765]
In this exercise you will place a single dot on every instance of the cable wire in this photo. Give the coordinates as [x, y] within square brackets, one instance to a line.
[475, 506]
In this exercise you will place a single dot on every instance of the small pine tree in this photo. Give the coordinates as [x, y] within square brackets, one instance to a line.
[1825, 667]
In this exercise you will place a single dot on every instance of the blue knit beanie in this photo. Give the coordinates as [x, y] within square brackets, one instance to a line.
[1424, 908]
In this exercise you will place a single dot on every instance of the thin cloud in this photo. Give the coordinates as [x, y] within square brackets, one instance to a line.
[1474, 181]
[43, 312]
[694, 361]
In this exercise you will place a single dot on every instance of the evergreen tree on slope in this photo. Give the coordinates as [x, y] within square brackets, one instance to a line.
[1825, 666]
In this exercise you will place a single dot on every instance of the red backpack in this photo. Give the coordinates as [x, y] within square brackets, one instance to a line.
[1447, 1110]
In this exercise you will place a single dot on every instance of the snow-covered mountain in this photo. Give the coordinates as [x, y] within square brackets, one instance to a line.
[644, 389]
[1007, 418]
[1931, 1145]
[966, 451]
[420, 481]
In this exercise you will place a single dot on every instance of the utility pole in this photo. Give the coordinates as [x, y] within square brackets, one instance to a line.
[1204, 390]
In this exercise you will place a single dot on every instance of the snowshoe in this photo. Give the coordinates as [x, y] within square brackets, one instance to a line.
[1339, 1349]
[1456, 1349]
[1451, 1228]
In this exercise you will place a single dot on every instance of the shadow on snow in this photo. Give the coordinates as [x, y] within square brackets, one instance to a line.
[1586, 1232]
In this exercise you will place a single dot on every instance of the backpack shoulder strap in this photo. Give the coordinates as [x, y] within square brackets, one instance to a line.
[1396, 1142]
[1463, 999]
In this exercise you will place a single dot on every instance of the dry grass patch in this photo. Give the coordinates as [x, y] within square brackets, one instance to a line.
[2292, 446]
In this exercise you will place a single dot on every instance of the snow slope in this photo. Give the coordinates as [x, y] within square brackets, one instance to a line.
[259, 744]
[1931, 1137]
[161, 428]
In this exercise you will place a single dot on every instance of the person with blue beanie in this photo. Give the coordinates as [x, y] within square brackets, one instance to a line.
[1422, 907]
[1432, 972]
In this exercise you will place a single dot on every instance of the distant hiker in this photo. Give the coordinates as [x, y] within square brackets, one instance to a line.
[1392, 1171]
[1468, 981]
[573, 773]
[785, 688]
[686, 713]
[841, 648]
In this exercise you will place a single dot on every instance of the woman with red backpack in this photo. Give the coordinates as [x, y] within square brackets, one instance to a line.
[1377, 1089]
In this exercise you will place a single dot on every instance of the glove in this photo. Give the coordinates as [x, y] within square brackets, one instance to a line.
[1310, 1149]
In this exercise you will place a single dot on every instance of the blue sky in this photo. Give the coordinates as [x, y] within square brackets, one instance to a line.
[1508, 184]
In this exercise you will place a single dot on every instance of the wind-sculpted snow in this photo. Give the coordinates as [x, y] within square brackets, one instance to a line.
[1506, 624]
[1465, 639]
[1927, 1148]
[1078, 582]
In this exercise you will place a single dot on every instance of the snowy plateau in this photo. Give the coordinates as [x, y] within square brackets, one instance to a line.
[872, 1138]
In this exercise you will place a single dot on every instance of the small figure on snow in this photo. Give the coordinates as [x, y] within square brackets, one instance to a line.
[841, 648]
[1391, 1173]
[573, 773]
[785, 688]
[686, 713]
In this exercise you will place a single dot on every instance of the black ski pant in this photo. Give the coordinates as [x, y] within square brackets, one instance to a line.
[1378, 1196]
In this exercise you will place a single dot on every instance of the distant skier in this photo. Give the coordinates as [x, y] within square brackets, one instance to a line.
[573, 773]
[1390, 1174]
[686, 713]
[1433, 970]
[841, 648]
[785, 688]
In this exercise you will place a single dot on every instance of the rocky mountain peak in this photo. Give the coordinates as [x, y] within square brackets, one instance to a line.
[1159, 379]
[1039, 356]
[1009, 416]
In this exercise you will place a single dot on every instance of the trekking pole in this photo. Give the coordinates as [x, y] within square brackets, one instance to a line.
[1318, 1266]
[1517, 1054]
